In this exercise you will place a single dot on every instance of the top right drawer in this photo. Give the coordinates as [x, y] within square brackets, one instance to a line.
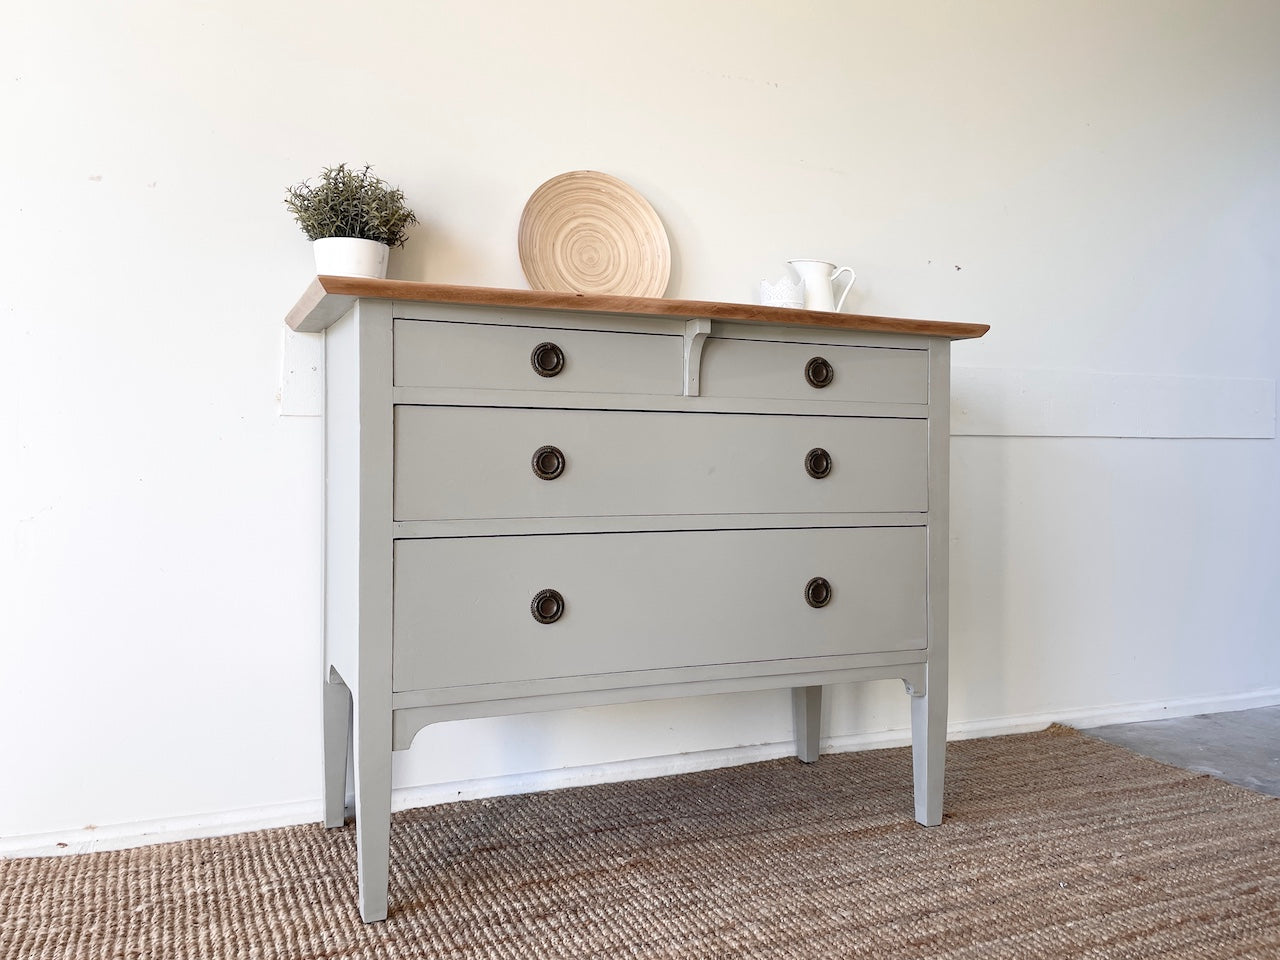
[813, 371]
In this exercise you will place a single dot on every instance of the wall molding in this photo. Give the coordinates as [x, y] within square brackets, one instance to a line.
[1001, 402]
[169, 830]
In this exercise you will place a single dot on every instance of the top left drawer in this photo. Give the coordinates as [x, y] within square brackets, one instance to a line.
[433, 353]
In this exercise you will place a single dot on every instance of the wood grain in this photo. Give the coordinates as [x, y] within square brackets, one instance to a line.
[588, 232]
[328, 298]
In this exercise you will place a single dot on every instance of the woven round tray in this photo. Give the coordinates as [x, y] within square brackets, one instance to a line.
[588, 232]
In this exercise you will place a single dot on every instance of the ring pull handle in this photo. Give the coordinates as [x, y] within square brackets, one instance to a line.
[817, 592]
[817, 463]
[547, 359]
[547, 606]
[819, 373]
[548, 462]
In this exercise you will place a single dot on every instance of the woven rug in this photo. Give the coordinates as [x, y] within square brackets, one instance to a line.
[1054, 845]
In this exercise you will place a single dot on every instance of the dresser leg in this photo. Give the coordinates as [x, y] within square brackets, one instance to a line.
[806, 713]
[337, 743]
[373, 811]
[928, 749]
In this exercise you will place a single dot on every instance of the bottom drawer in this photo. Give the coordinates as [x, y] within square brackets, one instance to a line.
[642, 601]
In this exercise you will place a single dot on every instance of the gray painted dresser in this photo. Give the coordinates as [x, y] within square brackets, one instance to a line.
[540, 500]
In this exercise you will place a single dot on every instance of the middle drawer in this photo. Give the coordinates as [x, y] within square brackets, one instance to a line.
[462, 463]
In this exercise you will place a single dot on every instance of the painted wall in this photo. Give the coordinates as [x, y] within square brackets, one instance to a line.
[1098, 181]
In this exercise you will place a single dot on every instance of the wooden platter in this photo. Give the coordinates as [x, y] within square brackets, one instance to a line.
[587, 232]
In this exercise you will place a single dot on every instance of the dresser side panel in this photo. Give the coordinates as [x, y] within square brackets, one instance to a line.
[939, 501]
[341, 496]
[358, 457]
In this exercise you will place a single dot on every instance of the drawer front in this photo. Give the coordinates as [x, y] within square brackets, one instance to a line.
[455, 463]
[643, 601]
[766, 369]
[429, 353]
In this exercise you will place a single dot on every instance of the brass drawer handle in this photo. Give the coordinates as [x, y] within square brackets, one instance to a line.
[817, 463]
[819, 372]
[547, 606]
[817, 592]
[547, 359]
[548, 462]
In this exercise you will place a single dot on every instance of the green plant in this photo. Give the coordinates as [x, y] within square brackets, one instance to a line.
[350, 203]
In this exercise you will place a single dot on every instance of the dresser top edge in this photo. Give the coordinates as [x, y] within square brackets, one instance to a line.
[327, 298]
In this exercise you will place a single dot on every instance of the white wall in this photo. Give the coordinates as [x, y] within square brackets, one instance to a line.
[1098, 181]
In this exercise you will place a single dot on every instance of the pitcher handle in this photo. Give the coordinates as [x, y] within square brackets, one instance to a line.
[848, 287]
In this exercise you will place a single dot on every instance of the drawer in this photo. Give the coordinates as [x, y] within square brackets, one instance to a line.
[455, 463]
[645, 601]
[429, 353]
[766, 369]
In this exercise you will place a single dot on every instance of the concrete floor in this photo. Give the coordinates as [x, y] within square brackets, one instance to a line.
[1242, 747]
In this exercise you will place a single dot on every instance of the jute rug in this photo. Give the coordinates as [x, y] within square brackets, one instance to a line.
[1054, 845]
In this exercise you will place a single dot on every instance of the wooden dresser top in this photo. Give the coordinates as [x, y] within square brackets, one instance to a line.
[326, 299]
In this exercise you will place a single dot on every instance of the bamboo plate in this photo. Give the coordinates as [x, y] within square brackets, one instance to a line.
[588, 232]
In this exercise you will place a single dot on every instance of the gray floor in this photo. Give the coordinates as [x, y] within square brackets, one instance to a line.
[1242, 747]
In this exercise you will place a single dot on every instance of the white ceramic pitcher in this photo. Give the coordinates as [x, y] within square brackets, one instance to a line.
[819, 278]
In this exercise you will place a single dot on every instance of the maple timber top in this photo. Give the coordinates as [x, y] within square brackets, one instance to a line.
[326, 299]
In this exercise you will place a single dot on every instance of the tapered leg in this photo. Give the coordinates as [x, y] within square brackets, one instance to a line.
[929, 746]
[806, 712]
[929, 710]
[373, 809]
[337, 742]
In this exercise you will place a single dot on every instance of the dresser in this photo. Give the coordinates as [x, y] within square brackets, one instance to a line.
[537, 500]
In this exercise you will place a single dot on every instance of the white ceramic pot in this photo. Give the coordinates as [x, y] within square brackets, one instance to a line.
[785, 293]
[350, 257]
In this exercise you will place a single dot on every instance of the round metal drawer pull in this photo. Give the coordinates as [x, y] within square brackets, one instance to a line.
[547, 606]
[819, 372]
[548, 462]
[817, 463]
[547, 359]
[817, 592]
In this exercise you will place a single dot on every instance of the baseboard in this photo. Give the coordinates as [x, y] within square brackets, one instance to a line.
[121, 836]
[1134, 712]
[169, 830]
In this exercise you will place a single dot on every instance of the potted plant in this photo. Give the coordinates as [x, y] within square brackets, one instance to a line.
[352, 218]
